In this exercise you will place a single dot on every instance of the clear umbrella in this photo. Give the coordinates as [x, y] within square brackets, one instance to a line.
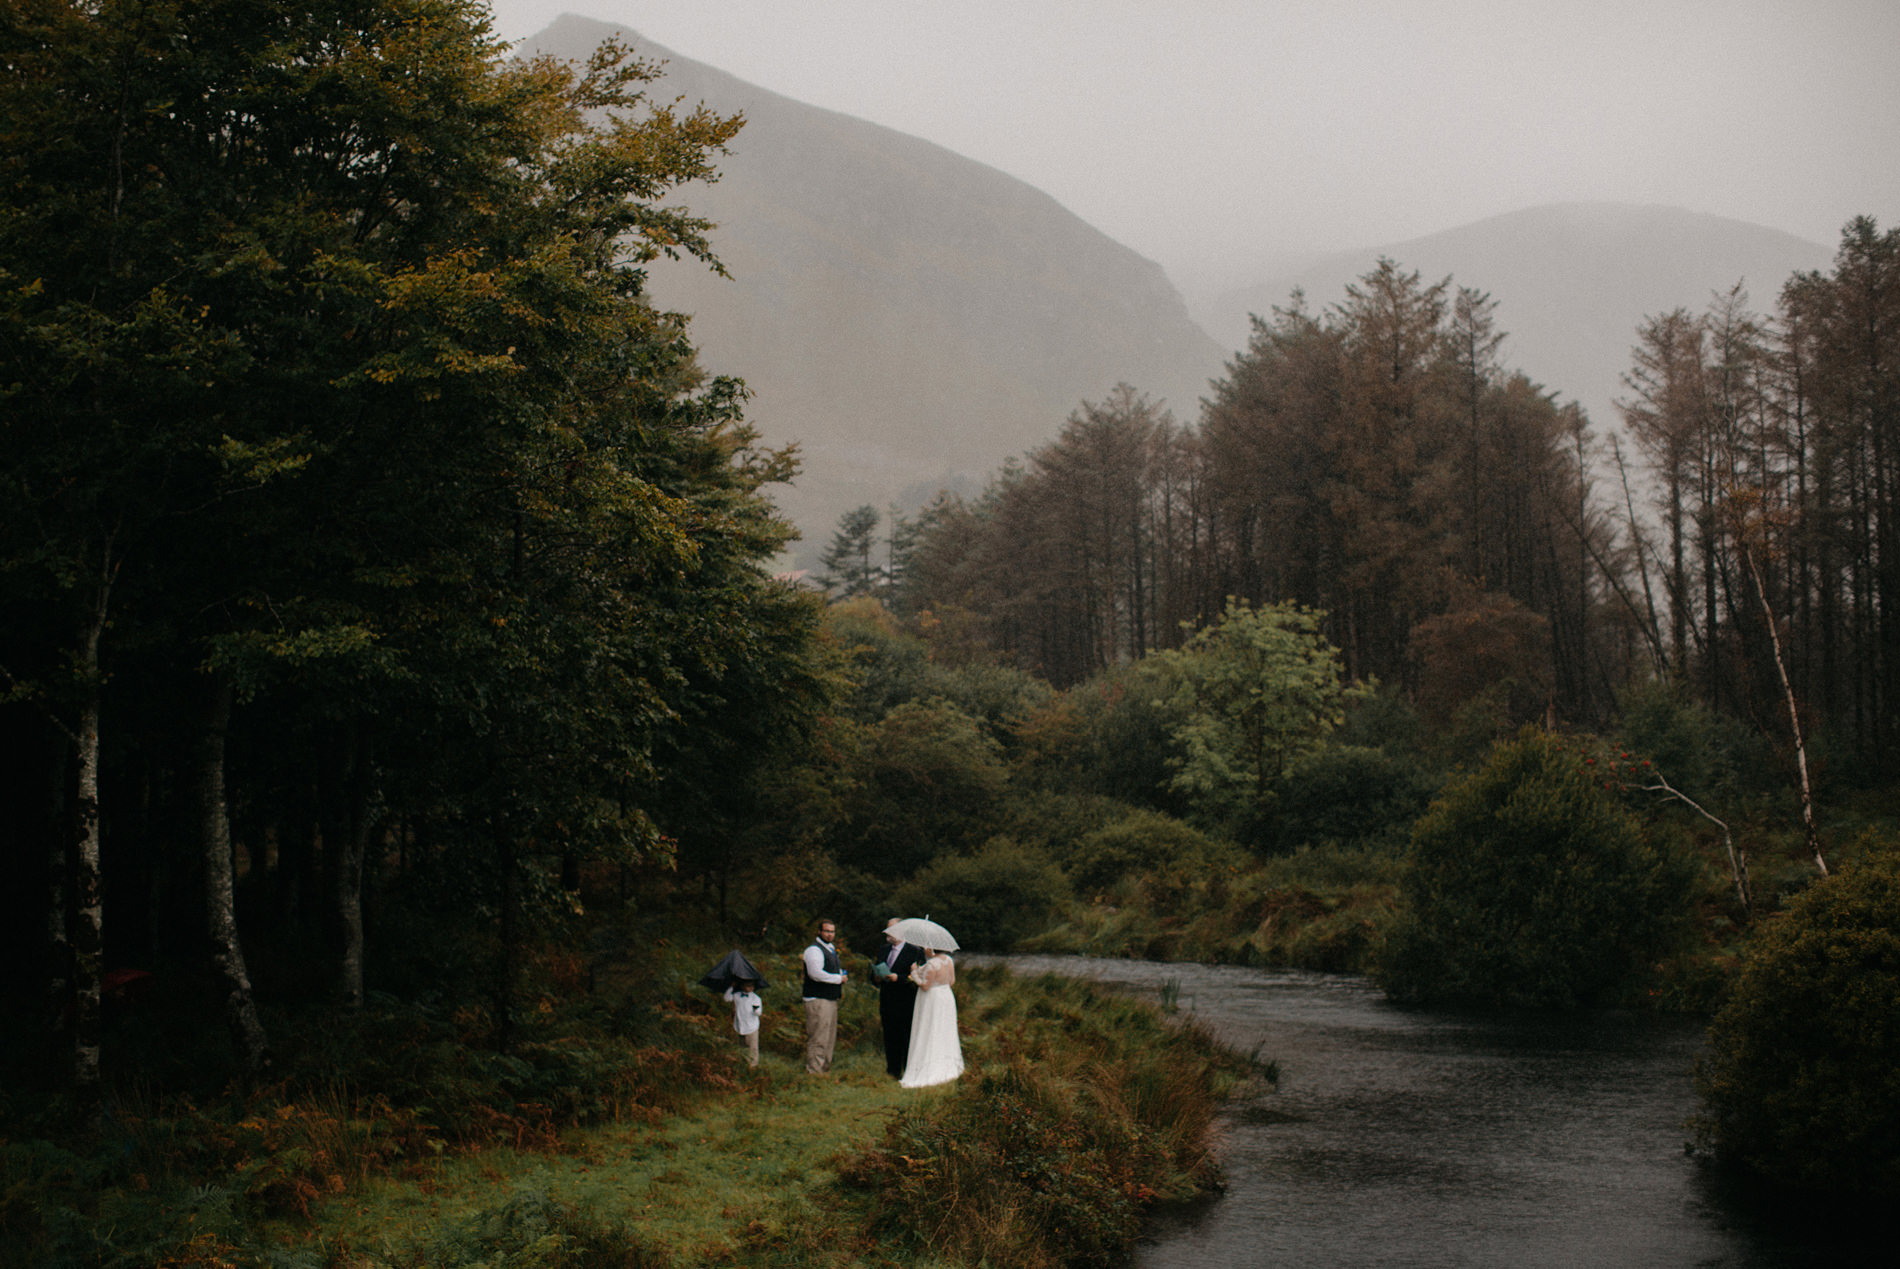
[924, 933]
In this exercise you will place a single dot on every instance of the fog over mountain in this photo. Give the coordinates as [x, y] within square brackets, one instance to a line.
[1222, 138]
[906, 315]
[912, 318]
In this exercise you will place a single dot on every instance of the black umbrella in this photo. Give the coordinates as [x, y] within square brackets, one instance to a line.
[728, 971]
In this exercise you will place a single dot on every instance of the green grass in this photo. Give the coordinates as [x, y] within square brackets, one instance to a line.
[627, 1130]
[703, 1186]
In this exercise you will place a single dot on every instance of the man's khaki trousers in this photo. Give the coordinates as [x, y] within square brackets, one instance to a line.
[821, 1034]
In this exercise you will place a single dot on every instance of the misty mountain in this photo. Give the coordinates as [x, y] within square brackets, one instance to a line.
[912, 318]
[906, 315]
[1572, 282]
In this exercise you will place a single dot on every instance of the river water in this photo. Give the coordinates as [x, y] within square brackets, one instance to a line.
[1417, 1137]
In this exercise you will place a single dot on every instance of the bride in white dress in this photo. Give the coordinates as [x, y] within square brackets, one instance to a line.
[936, 1055]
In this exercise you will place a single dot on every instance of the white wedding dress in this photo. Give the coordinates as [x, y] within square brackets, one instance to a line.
[936, 1055]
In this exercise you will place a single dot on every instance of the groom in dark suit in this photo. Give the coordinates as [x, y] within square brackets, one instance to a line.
[896, 996]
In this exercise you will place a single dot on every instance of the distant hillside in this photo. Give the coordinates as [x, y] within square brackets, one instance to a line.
[905, 314]
[1572, 281]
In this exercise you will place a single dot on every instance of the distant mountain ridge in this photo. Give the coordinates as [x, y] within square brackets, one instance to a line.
[906, 315]
[912, 318]
[1572, 282]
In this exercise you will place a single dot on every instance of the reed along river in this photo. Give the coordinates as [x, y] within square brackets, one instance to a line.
[1414, 1137]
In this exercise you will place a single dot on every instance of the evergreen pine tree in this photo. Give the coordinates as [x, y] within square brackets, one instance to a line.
[849, 569]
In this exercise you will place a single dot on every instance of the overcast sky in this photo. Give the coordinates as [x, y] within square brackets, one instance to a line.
[1224, 134]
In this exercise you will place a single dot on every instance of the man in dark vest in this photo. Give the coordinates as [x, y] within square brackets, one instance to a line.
[896, 996]
[824, 986]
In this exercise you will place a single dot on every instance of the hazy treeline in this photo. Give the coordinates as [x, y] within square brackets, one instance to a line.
[1374, 462]
[1771, 440]
[1469, 537]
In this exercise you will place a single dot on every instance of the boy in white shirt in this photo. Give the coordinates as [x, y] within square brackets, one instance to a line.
[746, 1009]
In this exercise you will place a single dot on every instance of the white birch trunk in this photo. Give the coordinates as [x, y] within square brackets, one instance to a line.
[1794, 714]
[227, 953]
[88, 945]
[88, 930]
[349, 880]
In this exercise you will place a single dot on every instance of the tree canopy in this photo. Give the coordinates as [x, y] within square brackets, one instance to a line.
[333, 394]
[1251, 692]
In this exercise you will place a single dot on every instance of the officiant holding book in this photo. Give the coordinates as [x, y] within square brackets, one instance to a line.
[896, 996]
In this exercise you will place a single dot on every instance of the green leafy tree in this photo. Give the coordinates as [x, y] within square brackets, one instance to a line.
[329, 363]
[1799, 1082]
[1110, 736]
[930, 782]
[1252, 692]
[1527, 884]
[751, 747]
[886, 665]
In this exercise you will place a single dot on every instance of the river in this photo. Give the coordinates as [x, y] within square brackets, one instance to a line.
[1416, 1137]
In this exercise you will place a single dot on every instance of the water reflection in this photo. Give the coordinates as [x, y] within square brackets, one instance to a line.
[1429, 1138]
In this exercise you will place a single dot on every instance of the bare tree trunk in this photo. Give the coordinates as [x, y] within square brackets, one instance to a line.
[88, 942]
[59, 946]
[507, 953]
[88, 930]
[1794, 713]
[349, 875]
[227, 953]
[349, 903]
[76, 937]
[1652, 636]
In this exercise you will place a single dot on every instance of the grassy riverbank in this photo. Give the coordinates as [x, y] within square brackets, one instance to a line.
[1329, 908]
[1321, 908]
[623, 1128]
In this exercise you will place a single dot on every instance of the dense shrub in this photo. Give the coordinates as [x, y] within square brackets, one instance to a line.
[1800, 1082]
[1330, 867]
[888, 667]
[1001, 697]
[1527, 885]
[1321, 908]
[1143, 841]
[1691, 745]
[1056, 821]
[989, 900]
[1350, 793]
[1384, 719]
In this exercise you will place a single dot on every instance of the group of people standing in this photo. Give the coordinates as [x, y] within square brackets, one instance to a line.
[916, 1006]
